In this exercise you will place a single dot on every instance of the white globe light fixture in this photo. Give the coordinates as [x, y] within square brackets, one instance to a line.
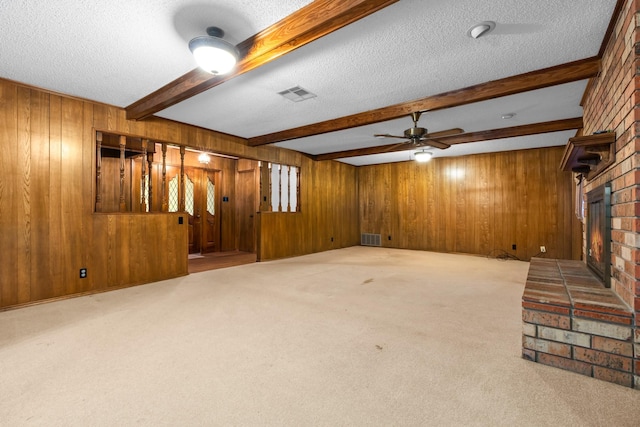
[422, 156]
[212, 53]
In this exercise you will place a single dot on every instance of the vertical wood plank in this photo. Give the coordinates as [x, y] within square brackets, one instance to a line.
[450, 222]
[486, 196]
[71, 195]
[511, 203]
[112, 251]
[57, 242]
[9, 194]
[123, 245]
[23, 164]
[430, 234]
[137, 258]
[40, 197]
[521, 197]
[551, 202]
[88, 173]
[538, 204]
[407, 228]
[472, 179]
[463, 186]
[388, 190]
[443, 207]
[501, 241]
[99, 254]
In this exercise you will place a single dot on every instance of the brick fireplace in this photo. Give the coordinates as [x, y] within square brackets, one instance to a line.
[584, 315]
[572, 322]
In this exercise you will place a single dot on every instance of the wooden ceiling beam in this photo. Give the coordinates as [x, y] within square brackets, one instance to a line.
[485, 135]
[566, 73]
[305, 25]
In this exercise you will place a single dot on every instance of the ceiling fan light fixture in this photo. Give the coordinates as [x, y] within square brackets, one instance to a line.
[212, 53]
[422, 156]
[481, 29]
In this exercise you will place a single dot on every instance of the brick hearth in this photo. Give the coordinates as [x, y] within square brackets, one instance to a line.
[572, 322]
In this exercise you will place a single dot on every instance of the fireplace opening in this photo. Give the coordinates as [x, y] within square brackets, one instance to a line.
[599, 232]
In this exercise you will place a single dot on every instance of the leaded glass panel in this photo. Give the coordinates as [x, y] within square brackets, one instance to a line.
[188, 195]
[211, 197]
[173, 194]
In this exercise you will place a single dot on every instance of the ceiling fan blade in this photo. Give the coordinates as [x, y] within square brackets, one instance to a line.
[394, 147]
[440, 134]
[435, 143]
[386, 135]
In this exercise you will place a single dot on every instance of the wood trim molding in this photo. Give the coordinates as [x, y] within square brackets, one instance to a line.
[305, 25]
[566, 73]
[485, 135]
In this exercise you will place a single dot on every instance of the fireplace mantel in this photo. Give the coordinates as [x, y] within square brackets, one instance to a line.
[589, 155]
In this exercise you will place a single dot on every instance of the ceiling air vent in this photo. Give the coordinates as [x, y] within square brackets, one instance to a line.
[297, 94]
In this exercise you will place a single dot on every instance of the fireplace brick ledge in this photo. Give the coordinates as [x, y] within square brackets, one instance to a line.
[572, 322]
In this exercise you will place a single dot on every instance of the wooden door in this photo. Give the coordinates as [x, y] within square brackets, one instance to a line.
[211, 218]
[247, 207]
[193, 206]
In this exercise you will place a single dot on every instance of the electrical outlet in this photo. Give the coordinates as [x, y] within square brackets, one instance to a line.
[83, 273]
[543, 249]
[513, 247]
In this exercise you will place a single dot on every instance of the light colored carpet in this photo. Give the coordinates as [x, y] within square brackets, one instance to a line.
[352, 337]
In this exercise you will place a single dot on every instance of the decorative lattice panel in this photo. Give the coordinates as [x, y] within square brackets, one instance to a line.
[211, 197]
[173, 194]
[188, 195]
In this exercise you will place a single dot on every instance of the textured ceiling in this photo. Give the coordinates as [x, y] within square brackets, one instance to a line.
[120, 51]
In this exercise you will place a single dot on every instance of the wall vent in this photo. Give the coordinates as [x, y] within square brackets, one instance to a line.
[367, 239]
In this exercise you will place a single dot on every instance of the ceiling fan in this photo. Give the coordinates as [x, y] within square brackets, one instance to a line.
[419, 137]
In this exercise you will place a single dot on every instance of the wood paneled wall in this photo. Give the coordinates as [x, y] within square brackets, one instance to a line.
[481, 204]
[328, 217]
[131, 249]
[48, 228]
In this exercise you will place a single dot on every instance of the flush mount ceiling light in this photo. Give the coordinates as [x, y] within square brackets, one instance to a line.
[481, 29]
[422, 156]
[214, 55]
